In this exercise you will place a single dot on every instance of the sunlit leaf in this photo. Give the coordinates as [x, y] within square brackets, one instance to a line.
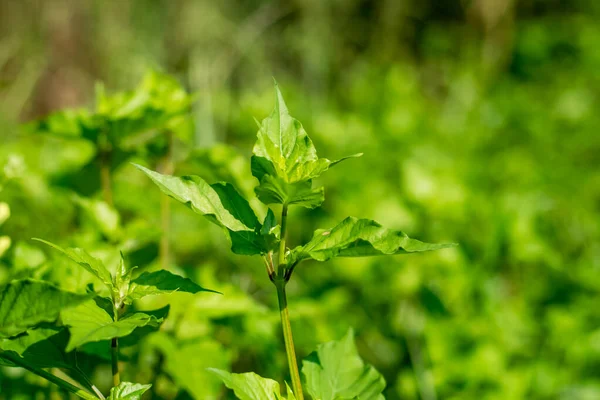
[250, 386]
[25, 303]
[285, 160]
[335, 371]
[220, 203]
[89, 322]
[128, 391]
[359, 238]
[91, 264]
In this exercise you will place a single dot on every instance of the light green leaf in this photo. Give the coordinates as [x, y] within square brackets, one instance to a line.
[194, 192]
[25, 303]
[102, 215]
[358, 238]
[90, 322]
[250, 386]
[335, 371]
[161, 282]
[285, 160]
[91, 264]
[220, 203]
[128, 391]
[42, 347]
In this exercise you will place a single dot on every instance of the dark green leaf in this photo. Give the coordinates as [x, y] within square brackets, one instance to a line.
[335, 371]
[358, 238]
[161, 282]
[26, 303]
[42, 347]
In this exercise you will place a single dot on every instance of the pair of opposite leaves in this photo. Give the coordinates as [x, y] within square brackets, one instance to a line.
[285, 162]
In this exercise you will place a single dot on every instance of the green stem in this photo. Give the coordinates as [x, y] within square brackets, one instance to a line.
[166, 167]
[288, 339]
[49, 377]
[281, 265]
[114, 352]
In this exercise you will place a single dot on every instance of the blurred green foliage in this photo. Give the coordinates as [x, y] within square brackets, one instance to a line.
[478, 120]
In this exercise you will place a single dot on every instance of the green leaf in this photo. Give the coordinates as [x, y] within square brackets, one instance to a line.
[42, 347]
[162, 282]
[89, 322]
[102, 215]
[194, 192]
[285, 160]
[128, 391]
[220, 203]
[25, 303]
[335, 371]
[91, 264]
[250, 386]
[358, 238]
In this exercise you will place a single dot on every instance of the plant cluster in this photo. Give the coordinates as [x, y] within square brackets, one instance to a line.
[44, 326]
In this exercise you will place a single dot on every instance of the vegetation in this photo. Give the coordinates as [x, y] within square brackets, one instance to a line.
[477, 124]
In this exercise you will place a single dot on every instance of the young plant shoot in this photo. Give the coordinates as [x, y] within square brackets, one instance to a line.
[285, 162]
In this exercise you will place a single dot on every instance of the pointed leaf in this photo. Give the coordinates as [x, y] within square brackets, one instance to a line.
[220, 203]
[91, 264]
[128, 391]
[194, 192]
[249, 386]
[26, 303]
[92, 323]
[335, 371]
[285, 159]
[359, 238]
[161, 282]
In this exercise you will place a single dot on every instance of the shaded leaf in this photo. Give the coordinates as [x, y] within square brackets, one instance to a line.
[28, 302]
[359, 238]
[161, 282]
[128, 391]
[335, 371]
[42, 347]
[250, 386]
[91, 264]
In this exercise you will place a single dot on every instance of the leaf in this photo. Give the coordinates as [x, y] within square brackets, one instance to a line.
[220, 203]
[250, 386]
[358, 238]
[335, 371]
[91, 323]
[285, 160]
[42, 347]
[128, 391]
[25, 303]
[194, 192]
[162, 282]
[102, 215]
[91, 264]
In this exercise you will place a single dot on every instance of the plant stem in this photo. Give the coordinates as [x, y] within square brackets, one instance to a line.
[288, 339]
[281, 264]
[165, 167]
[49, 377]
[105, 178]
[114, 352]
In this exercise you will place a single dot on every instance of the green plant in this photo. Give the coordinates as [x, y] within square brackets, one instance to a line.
[42, 326]
[285, 162]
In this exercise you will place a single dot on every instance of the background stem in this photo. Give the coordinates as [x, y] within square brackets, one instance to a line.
[114, 352]
[288, 339]
[49, 377]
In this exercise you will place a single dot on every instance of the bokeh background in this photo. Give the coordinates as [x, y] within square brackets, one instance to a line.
[480, 124]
